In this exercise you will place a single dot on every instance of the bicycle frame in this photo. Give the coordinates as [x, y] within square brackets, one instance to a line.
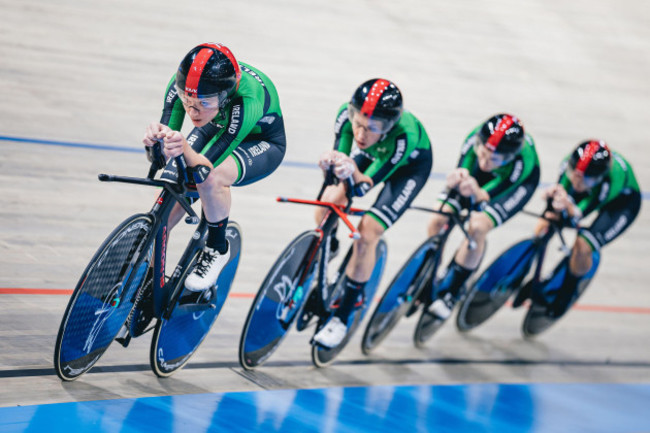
[325, 227]
[164, 295]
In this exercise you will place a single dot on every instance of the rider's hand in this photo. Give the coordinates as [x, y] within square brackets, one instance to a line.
[155, 131]
[174, 144]
[468, 187]
[456, 177]
[560, 198]
[344, 166]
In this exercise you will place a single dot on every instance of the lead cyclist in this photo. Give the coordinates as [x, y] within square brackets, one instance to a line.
[238, 138]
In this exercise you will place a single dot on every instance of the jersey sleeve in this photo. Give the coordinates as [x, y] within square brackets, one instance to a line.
[243, 116]
[343, 136]
[381, 168]
[523, 170]
[173, 112]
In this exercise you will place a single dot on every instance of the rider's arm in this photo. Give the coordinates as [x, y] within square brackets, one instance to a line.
[173, 112]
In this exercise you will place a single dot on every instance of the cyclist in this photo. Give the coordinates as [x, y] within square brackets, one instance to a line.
[592, 179]
[238, 138]
[375, 141]
[498, 172]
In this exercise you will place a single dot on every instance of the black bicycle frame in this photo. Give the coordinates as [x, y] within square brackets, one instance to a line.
[163, 295]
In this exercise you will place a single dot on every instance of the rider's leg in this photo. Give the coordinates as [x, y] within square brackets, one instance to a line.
[332, 194]
[360, 266]
[461, 267]
[215, 201]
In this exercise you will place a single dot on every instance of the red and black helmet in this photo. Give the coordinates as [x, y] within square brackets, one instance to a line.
[592, 158]
[209, 70]
[380, 101]
[502, 134]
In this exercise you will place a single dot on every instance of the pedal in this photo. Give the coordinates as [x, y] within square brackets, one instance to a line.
[195, 308]
[123, 336]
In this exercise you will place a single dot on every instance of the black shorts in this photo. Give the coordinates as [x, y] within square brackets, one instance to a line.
[503, 207]
[401, 188]
[255, 159]
[613, 219]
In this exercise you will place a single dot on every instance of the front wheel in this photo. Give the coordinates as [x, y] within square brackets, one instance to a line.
[399, 297]
[103, 298]
[279, 299]
[495, 285]
[323, 356]
[177, 338]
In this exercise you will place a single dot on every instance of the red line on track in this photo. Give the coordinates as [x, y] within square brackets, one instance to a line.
[580, 307]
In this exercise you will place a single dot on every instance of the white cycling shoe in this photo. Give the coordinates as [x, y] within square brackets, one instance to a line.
[207, 269]
[332, 333]
[442, 307]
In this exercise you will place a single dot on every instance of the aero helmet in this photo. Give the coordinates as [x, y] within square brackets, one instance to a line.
[592, 158]
[380, 101]
[502, 134]
[207, 71]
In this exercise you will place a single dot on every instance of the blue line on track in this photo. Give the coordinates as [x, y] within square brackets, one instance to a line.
[503, 408]
[295, 164]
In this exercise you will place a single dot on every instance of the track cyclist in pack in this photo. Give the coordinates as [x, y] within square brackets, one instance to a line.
[498, 171]
[592, 179]
[375, 141]
[238, 138]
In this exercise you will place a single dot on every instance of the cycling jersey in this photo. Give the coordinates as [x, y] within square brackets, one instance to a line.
[617, 199]
[510, 186]
[250, 127]
[402, 159]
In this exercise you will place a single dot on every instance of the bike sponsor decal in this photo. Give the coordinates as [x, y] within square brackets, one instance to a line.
[169, 367]
[285, 288]
[196, 235]
[101, 318]
[273, 277]
[231, 233]
[403, 197]
[163, 256]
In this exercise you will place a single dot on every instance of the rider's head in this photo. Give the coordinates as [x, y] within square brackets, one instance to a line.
[589, 164]
[500, 139]
[375, 107]
[206, 79]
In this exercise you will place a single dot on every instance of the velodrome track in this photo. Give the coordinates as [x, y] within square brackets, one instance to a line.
[80, 80]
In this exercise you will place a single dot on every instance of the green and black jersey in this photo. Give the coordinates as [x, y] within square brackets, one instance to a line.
[405, 140]
[401, 159]
[620, 179]
[510, 186]
[253, 111]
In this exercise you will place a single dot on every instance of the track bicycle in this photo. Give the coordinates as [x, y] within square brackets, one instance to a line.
[298, 287]
[506, 276]
[411, 288]
[124, 287]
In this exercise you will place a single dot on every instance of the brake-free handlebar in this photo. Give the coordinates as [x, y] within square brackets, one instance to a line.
[176, 189]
